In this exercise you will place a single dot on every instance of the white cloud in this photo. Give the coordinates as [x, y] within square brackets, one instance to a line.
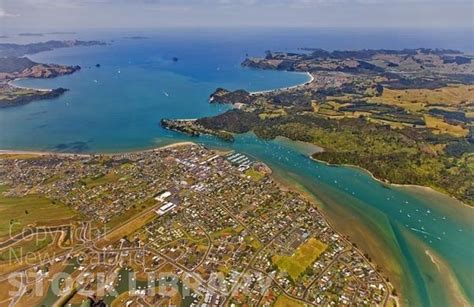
[4, 14]
[314, 13]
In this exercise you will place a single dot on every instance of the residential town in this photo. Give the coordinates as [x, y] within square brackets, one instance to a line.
[185, 225]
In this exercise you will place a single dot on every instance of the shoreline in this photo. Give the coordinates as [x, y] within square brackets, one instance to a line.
[385, 272]
[306, 148]
[386, 182]
[424, 188]
[284, 184]
[381, 181]
[71, 154]
[281, 89]
[10, 83]
[316, 203]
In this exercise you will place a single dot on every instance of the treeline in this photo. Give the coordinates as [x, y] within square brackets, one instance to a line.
[397, 155]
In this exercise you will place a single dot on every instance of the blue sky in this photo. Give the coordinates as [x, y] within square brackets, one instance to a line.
[73, 14]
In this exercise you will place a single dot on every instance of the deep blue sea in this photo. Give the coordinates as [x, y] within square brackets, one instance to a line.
[427, 237]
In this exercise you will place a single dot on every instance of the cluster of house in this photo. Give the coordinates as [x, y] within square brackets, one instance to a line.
[213, 221]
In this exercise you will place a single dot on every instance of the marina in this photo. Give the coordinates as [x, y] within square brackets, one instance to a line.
[384, 220]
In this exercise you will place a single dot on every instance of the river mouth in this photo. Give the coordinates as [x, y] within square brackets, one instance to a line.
[389, 222]
[121, 112]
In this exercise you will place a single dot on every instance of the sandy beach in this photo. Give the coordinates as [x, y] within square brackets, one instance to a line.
[48, 153]
[10, 83]
[311, 79]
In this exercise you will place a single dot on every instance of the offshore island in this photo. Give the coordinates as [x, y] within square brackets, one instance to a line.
[404, 115]
[14, 65]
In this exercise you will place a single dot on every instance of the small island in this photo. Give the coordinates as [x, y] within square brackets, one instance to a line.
[30, 34]
[13, 65]
[136, 37]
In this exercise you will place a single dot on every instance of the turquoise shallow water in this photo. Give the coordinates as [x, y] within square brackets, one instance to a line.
[444, 225]
[118, 106]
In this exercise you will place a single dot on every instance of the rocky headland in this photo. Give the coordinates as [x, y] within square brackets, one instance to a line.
[14, 65]
[224, 96]
[11, 96]
[22, 67]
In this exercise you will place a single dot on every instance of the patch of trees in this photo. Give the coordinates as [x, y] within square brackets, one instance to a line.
[413, 119]
[399, 83]
[400, 167]
[235, 121]
[385, 112]
[459, 60]
[288, 65]
[222, 95]
[298, 98]
[450, 115]
[362, 106]
[460, 78]
[458, 148]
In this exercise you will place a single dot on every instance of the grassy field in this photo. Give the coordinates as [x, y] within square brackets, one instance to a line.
[22, 156]
[136, 209]
[10, 93]
[254, 174]
[304, 256]
[440, 126]
[18, 212]
[285, 301]
[127, 223]
[23, 248]
[101, 180]
[416, 99]
[272, 113]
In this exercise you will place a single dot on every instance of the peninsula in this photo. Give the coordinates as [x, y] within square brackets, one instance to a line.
[404, 115]
[13, 65]
[17, 50]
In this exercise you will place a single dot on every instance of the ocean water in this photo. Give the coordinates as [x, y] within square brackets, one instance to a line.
[118, 106]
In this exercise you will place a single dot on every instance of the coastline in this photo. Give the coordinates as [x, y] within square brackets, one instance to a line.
[422, 188]
[362, 234]
[311, 79]
[315, 202]
[70, 154]
[10, 83]
[386, 182]
[335, 221]
[381, 181]
[302, 146]
[358, 239]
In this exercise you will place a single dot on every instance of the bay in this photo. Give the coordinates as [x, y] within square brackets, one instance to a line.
[118, 106]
